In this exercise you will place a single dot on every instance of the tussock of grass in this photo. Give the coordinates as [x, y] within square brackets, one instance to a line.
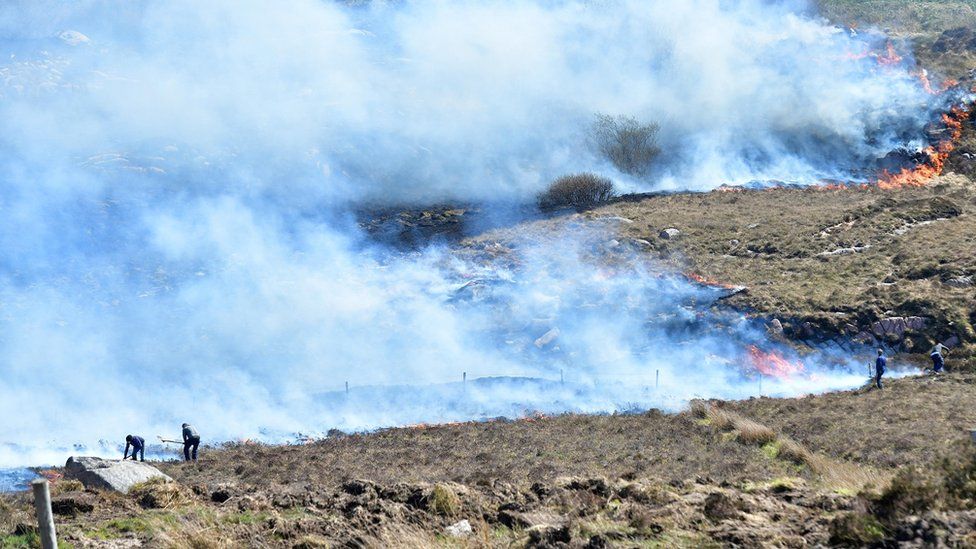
[160, 494]
[750, 432]
[837, 475]
[444, 501]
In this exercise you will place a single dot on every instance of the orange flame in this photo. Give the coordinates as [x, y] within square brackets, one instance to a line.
[937, 156]
[772, 363]
[889, 57]
[705, 281]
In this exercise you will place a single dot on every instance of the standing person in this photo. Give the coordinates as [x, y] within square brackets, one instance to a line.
[938, 357]
[138, 445]
[191, 439]
[880, 366]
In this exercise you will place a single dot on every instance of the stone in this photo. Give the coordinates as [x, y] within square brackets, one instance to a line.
[959, 282]
[896, 326]
[108, 474]
[460, 529]
[669, 234]
[775, 327]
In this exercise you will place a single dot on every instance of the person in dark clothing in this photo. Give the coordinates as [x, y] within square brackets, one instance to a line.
[191, 441]
[880, 366]
[138, 445]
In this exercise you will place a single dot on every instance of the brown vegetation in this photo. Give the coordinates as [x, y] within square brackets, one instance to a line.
[580, 191]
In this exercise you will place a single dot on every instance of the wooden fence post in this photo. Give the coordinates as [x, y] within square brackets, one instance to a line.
[45, 519]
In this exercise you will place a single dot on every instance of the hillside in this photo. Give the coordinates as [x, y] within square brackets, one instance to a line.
[812, 475]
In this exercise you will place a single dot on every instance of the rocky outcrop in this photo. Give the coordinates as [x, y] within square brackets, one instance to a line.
[897, 326]
[108, 474]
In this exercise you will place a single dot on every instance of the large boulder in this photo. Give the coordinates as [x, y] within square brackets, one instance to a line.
[109, 474]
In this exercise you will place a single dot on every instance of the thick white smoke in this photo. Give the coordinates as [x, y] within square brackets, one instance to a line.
[176, 180]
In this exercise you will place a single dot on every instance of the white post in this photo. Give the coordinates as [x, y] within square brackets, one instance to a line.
[347, 387]
[45, 519]
[657, 378]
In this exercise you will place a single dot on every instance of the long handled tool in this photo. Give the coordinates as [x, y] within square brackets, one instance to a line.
[161, 439]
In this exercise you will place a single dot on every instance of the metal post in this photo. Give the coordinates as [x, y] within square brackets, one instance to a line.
[45, 519]
[464, 377]
[347, 387]
[657, 378]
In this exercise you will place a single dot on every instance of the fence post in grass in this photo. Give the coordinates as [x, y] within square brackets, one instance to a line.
[45, 519]
[657, 378]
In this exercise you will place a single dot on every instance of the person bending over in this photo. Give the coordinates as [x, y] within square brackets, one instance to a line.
[191, 441]
[138, 445]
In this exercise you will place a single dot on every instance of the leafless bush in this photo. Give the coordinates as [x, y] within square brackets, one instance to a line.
[631, 145]
[580, 191]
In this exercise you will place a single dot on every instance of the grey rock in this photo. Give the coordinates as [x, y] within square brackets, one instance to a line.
[775, 326]
[109, 474]
[897, 326]
[461, 529]
[669, 234]
[959, 282]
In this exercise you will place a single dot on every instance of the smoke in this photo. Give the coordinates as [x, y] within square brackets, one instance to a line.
[176, 241]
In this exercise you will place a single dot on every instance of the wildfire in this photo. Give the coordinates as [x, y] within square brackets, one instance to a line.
[890, 57]
[936, 156]
[772, 363]
[705, 281]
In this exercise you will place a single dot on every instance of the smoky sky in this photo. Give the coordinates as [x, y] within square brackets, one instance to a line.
[176, 180]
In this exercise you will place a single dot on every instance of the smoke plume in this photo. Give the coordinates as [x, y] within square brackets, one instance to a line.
[177, 182]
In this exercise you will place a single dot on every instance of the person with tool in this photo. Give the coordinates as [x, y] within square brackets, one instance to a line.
[191, 440]
[138, 445]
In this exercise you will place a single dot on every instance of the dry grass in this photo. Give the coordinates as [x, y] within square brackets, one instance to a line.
[833, 473]
[911, 244]
[675, 447]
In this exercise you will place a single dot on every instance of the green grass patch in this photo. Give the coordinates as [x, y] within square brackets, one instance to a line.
[771, 449]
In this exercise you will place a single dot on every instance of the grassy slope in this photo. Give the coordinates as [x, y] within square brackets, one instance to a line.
[774, 242]
[643, 480]
[299, 496]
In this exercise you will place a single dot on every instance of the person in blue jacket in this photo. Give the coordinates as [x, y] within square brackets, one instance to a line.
[138, 445]
[880, 366]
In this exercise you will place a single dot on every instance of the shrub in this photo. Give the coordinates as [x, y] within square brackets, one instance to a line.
[580, 191]
[631, 145]
[443, 501]
[855, 529]
[910, 493]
